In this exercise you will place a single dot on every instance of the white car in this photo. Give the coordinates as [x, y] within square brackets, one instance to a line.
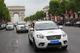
[46, 34]
[9, 26]
[21, 28]
[2, 26]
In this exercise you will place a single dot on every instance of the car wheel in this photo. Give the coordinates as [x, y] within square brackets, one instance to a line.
[64, 48]
[27, 31]
[17, 31]
[6, 29]
[34, 45]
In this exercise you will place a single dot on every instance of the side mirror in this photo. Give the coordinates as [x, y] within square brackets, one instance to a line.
[60, 27]
[31, 29]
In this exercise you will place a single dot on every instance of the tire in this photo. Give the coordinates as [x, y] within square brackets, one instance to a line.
[64, 48]
[34, 45]
[13, 29]
[17, 31]
[6, 29]
[27, 31]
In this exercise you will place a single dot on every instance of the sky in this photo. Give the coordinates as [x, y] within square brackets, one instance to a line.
[31, 6]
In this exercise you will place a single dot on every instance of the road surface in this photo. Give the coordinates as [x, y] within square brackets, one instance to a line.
[11, 42]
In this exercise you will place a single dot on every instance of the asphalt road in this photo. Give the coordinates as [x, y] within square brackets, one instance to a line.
[11, 42]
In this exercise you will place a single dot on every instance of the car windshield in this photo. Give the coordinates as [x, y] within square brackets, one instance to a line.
[9, 24]
[46, 26]
[21, 23]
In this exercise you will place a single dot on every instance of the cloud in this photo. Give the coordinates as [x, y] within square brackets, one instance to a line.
[31, 5]
[14, 2]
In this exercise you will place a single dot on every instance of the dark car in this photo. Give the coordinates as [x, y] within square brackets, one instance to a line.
[60, 22]
[68, 23]
[77, 23]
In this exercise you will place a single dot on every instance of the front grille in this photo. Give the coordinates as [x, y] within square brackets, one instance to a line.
[9, 27]
[54, 37]
[23, 28]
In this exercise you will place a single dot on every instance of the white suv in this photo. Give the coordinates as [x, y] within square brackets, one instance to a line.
[20, 27]
[46, 34]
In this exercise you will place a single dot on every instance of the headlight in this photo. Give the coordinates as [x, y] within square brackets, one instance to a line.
[40, 36]
[64, 35]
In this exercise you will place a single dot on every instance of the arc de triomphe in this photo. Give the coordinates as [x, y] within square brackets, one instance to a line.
[20, 10]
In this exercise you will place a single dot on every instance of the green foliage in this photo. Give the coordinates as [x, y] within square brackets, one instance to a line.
[54, 7]
[60, 6]
[4, 13]
[77, 4]
[7, 15]
[38, 15]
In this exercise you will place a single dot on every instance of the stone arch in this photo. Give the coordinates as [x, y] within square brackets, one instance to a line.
[20, 10]
[16, 13]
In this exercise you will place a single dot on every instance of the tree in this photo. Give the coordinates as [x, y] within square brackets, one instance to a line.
[27, 19]
[7, 15]
[77, 3]
[4, 12]
[38, 15]
[54, 7]
[58, 7]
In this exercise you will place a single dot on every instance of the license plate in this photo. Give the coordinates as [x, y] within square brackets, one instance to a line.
[54, 41]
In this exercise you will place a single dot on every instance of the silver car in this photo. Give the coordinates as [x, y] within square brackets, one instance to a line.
[9, 26]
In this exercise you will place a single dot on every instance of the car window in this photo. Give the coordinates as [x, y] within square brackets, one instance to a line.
[46, 26]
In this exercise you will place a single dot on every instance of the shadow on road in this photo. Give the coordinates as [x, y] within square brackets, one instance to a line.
[53, 50]
[49, 50]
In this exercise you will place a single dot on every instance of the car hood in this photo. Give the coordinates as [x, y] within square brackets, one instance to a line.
[9, 25]
[50, 32]
[20, 26]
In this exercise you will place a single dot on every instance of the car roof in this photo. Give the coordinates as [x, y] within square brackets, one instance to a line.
[43, 22]
[9, 23]
[21, 22]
